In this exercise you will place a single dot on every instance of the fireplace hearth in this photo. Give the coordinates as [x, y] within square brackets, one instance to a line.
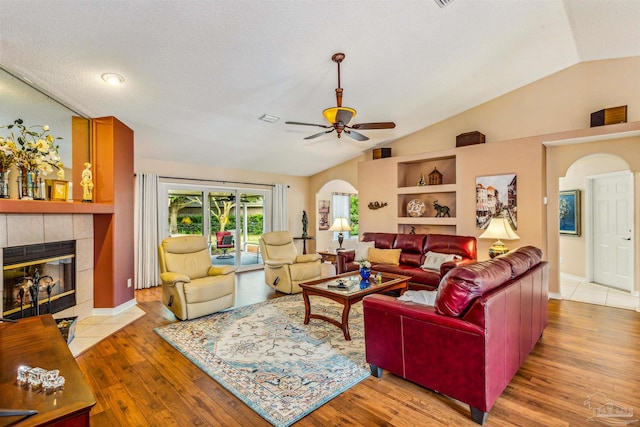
[52, 266]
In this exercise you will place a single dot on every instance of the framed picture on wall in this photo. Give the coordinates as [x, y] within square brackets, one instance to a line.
[496, 195]
[569, 212]
[323, 215]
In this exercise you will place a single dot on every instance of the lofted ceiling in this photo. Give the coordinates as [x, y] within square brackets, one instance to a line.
[199, 74]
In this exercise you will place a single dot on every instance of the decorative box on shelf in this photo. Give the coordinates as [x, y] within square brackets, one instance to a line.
[469, 138]
[381, 153]
[609, 116]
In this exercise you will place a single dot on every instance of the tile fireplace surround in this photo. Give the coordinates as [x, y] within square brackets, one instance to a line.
[29, 229]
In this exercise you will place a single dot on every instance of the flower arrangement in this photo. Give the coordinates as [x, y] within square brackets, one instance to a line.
[364, 263]
[32, 149]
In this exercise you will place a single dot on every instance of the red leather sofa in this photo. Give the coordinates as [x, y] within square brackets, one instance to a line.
[487, 317]
[414, 249]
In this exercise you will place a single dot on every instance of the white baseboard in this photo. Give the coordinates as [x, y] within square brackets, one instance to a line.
[115, 310]
[555, 295]
[573, 277]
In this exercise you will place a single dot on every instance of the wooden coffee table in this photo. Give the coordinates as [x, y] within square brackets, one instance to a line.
[347, 297]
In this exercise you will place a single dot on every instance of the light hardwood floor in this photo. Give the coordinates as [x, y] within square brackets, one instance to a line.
[140, 380]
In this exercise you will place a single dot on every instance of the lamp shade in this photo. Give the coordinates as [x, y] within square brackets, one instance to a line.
[340, 224]
[500, 229]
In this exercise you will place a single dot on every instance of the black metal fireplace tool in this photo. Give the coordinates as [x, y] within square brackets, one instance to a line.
[34, 291]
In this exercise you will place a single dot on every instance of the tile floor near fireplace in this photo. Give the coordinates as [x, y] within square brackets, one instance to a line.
[95, 328]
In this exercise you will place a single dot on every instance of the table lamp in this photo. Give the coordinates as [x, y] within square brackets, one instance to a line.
[499, 228]
[340, 224]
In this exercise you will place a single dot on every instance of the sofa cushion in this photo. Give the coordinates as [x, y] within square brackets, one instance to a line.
[433, 260]
[465, 246]
[522, 259]
[382, 240]
[411, 246]
[384, 256]
[462, 285]
[362, 249]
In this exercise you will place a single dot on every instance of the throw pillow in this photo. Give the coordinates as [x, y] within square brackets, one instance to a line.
[362, 249]
[433, 260]
[384, 256]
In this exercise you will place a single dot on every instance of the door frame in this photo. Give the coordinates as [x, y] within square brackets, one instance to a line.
[165, 185]
[589, 224]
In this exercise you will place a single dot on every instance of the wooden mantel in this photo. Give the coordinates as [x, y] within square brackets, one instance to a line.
[52, 207]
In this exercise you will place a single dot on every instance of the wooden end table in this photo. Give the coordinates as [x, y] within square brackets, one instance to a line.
[350, 296]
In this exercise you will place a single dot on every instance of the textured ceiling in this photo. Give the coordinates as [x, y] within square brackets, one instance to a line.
[200, 73]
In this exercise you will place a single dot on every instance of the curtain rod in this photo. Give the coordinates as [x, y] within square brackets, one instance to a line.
[218, 180]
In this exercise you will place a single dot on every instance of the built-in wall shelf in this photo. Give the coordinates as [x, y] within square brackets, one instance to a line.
[53, 207]
[422, 220]
[444, 188]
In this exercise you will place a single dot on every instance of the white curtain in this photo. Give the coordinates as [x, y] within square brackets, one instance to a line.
[341, 208]
[146, 231]
[280, 208]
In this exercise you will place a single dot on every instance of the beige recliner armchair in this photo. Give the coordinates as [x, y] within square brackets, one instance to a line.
[191, 286]
[284, 269]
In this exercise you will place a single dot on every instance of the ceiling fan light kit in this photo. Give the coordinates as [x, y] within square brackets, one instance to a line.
[339, 117]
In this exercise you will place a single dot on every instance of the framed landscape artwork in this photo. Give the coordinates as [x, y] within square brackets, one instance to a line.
[569, 212]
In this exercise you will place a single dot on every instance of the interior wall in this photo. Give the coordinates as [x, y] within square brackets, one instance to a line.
[561, 102]
[573, 249]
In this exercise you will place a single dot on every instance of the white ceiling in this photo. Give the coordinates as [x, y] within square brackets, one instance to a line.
[200, 73]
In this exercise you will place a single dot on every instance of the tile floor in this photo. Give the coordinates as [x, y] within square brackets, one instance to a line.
[93, 329]
[575, 289]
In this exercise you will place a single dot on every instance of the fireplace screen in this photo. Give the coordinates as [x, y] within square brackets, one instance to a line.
[51, 266]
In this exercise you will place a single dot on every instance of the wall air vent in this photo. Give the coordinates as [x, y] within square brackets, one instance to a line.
[443, 3]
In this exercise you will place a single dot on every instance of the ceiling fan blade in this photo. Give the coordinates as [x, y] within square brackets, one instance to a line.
[378, 125]
[319, 134]
[344, 116]
[308, 124]
[356, 135]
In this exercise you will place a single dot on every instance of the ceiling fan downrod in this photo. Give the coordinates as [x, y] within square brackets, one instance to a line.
[337, 58]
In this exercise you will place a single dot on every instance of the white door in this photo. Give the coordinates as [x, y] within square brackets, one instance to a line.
[612, 214]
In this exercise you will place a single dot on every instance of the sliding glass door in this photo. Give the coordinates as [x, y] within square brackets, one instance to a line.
[232, 220]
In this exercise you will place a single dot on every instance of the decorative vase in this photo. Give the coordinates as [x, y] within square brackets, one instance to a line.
[37, 189]
[365, 273]
[24, 187]
[4, 184]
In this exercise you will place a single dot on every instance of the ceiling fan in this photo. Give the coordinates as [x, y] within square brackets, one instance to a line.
[340, 116]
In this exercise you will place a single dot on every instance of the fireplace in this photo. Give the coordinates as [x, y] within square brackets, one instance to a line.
[54, 263]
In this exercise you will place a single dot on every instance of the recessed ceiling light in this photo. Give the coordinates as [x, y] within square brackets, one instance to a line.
[113, 78]
[269, 118]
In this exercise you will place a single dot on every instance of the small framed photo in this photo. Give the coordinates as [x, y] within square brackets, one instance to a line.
[59, 190]
[569, 212]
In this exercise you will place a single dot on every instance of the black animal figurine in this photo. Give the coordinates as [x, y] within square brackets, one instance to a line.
[441, 211]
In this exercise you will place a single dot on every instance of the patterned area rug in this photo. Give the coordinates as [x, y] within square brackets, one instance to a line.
[267, 357]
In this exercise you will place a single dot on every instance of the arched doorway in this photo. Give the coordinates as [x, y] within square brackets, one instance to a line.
[596, 259]
[325, 208]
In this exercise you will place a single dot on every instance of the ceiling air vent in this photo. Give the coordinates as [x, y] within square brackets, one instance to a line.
[443, 3]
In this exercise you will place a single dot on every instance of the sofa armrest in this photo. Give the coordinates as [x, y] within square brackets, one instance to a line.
[169, 277]
[392, 306]
[308, 258]
[343, 258]
[277, 262]
[450, 265]
[216, 270]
